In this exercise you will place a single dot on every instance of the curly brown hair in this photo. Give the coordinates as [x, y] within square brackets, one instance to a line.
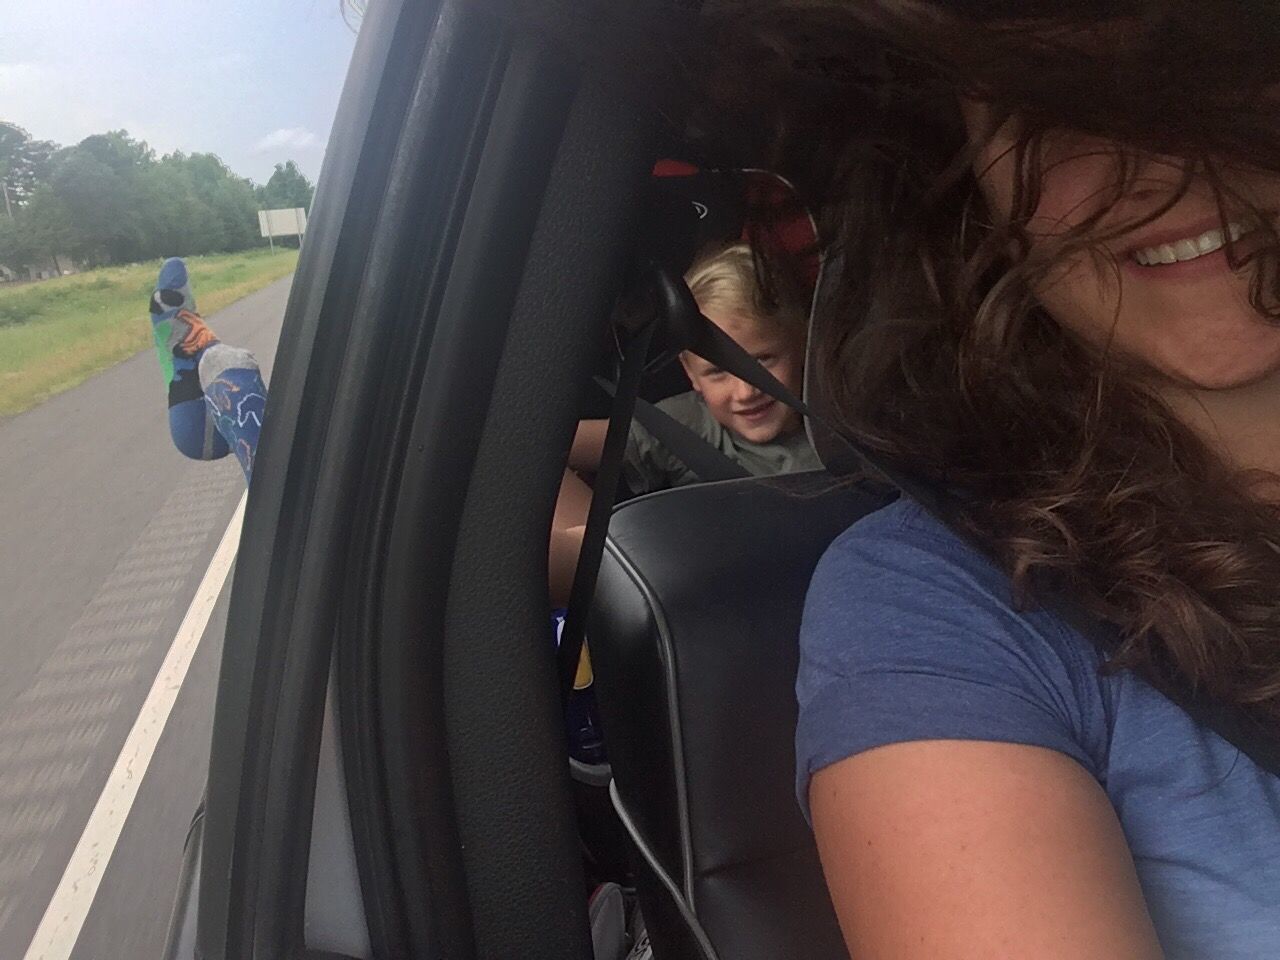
[929, 344]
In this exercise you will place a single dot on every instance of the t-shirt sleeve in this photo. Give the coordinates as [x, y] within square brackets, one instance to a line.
[912, 637]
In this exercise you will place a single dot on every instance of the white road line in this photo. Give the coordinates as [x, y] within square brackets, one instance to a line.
[59, 928]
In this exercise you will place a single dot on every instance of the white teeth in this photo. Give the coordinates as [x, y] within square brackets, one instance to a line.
[1209, 241]
[1188, 249]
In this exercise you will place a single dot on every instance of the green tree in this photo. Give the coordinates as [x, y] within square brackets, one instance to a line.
[174, 217]
[52, 229]
[110, 199]
[17, 248]
[194, 204]
[119, 151]
[99, 182]
[228, 199]
[40, 230]
[103, 199]
[288, 187]
[25, 163]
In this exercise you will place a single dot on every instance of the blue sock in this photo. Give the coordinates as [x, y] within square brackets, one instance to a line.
[236, 399]
[181, 339]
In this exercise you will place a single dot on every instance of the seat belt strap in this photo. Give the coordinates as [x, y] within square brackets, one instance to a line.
[704, 461]
[604, 491]
[702, 337]
[1230, 724]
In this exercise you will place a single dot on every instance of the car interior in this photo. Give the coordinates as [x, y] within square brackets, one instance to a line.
[693, 627]
[389, 774]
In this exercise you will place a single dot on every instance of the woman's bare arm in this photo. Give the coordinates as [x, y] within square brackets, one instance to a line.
[968, 850]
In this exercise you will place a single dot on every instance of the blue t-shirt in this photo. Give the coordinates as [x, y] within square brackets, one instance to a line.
[911, 634]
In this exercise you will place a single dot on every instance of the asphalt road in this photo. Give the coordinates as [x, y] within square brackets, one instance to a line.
[105, 533]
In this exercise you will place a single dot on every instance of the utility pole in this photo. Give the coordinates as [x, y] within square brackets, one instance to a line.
[8, 207]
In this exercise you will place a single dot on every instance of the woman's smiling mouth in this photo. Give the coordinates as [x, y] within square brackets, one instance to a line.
[1193, 246]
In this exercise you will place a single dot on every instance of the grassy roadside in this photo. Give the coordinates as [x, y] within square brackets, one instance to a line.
[58, 333]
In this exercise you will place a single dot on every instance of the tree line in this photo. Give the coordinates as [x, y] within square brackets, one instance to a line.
[110, 199]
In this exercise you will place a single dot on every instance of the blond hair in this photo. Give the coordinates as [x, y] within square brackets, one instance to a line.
[725, 280]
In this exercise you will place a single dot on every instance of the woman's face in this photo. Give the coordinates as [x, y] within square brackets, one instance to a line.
[1174, 305]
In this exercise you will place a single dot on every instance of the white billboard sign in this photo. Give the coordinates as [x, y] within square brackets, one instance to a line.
[288, 222]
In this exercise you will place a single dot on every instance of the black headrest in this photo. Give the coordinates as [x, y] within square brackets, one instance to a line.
[695, 208]
[694, 639]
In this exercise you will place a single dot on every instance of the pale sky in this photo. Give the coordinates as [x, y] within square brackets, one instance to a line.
[254, 81]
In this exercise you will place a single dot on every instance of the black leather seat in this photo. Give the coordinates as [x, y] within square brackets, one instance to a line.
[694, 641]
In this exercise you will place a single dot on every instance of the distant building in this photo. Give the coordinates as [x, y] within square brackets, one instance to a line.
[40, 270]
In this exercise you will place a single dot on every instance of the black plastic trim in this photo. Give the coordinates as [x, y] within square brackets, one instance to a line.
[413, 883]
[447, 423]
[541, 254]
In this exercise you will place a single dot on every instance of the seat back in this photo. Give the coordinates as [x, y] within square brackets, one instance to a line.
[694, 641]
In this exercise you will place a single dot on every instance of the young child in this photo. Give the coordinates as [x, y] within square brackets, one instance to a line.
[216, 394]
[746, 425]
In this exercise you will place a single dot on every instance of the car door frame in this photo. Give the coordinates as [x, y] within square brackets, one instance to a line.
[470, 232]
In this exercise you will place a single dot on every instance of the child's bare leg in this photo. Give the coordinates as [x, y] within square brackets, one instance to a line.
[567, 527]
[562, 562]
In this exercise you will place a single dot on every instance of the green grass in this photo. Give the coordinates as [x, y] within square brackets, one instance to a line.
[58, 333]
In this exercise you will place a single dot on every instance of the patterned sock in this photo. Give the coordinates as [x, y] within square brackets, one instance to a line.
[236, 399]
[181, 338]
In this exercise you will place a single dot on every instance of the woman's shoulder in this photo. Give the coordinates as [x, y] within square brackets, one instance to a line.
[903, 557]
[904, 536]
[911, 633]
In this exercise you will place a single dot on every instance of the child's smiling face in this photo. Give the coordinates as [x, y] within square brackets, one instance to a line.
[735, 404]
